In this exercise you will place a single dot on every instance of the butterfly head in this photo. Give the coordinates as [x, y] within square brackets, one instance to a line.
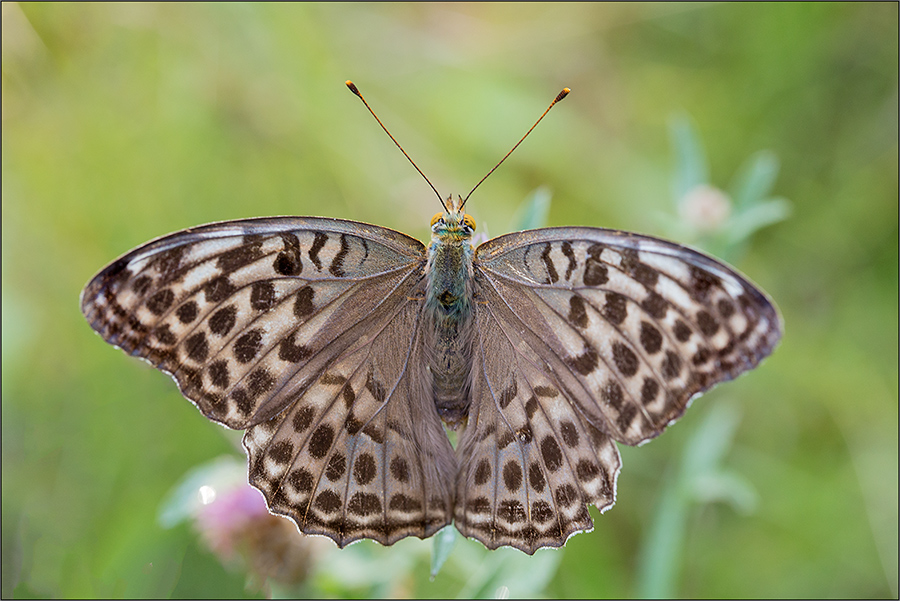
[453, 223]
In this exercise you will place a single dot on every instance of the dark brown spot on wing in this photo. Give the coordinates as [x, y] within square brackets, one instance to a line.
[726, 308]
[142, 284]
[236, 258]
[375, 432]
[612, 394]
[320, 441]
[223, 320]
[262, 296]
[218, 289]
[332, 379]
[707, 323]
[364, 469]
[524, 434]
[160, 302]
[641, 272]
[337, 466]
[625, 359]
[401, 502]
[328, 501]
[242, 401]
[289, 351]
[337, 265]
[512, 475]
[595, 272]
[196, 347]
[352, 425]
[478, 506]
[511, 511]
[259, 382]
[505, 439]
[586, 362]
[482, 472]
[536, 476]
[671, 365]
[651, 339]
[649, 390]
[508, 395]
[187, 312]
[288, 261]
[681, 330]
[318, 243]
[701, 356]
[218, 373]
[655, 305]
[247, 346]
[586, 470]
[569, 434]
[701, 283]
[302, 419]
[301, 480]
[626, 416]
[348, 395]
[281, 452]
[570, 255]
[168, 263]
[400, 469]
[551, 453]
[566, 495]
[541, 512]
[164, 334]
[531, 407]
[552, 276]
[304, 306]
[615, 308]
[577, 313]
[376, 388]
[545, 391]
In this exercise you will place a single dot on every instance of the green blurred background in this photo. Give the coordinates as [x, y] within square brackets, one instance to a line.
[124, 122]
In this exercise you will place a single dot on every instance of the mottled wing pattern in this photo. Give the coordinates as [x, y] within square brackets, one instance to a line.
[529, 462]
[251, 317]
[361, 453]
[587, 335]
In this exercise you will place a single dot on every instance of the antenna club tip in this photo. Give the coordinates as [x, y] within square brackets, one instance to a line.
[353, 87]
[563, 94]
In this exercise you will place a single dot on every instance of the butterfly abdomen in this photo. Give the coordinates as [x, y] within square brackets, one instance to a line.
[448, 310]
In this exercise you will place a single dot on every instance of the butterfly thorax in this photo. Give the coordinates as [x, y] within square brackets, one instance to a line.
[448, 308]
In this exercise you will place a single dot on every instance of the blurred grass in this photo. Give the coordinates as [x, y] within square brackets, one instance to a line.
[122, 122]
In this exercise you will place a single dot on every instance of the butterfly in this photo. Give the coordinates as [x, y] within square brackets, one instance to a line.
[345, 349]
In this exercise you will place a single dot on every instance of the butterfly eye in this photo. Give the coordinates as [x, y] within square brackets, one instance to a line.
[469, 222]
[436, 218]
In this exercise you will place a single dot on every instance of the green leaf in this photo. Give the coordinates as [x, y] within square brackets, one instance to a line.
[533, 211]
[443, 544]
[691, 165]
[756, 217]
[755, 179]
[699, 479]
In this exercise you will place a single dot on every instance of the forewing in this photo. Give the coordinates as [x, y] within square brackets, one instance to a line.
[244, 315]
[633, 327]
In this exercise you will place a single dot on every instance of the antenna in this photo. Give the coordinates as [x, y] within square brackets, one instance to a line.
[355, 90]
[560, 96]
